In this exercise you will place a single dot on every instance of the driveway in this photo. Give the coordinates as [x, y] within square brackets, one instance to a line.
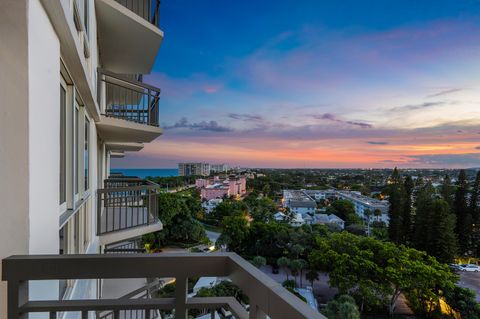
[470, 280]
[213, 236]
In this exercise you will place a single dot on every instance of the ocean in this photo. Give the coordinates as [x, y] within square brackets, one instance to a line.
[144, 172]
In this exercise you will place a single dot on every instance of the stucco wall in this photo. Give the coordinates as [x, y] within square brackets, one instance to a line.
[13, 133]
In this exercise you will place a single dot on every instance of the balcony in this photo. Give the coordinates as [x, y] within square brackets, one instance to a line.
[128, 34]
[126, 208]
[130, 109]
[266, 297]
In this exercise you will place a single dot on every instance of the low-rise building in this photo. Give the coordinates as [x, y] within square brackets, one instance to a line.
[360, 202]
[363, 203]
[298, 201]
[214, 191]
[329, 219]
[217, 187]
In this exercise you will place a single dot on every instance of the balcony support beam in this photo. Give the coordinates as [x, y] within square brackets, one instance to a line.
[181, 291]
[17, 293]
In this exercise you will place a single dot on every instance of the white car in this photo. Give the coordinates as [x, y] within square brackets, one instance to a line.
[469, 267]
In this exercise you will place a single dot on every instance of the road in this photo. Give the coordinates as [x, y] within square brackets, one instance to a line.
[213, 236]
[470, 280]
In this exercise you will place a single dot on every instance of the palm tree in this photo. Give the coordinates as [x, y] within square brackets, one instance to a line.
[259, 261]
[303, 265]
[284, 263]
[368, 213]
[295, 266]
[311, 276]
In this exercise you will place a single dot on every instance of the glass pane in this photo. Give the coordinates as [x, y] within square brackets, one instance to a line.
[63, 159]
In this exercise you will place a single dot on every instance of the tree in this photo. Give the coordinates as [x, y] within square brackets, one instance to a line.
[447, 190]
[284, 263]
[444, 245]
[396, 210]
[262, 209]
[407, 210]
[311, 276]
[464, 218]
[423, 231]
[295, 266]
[296, 250]
[259, 261]
[186, 230]
[368, 213]
[228, 208]
[343, 208]
[376, 273]
[475, 213]
[463, 301]
[303, 265]
[170, 205]
[234, 232]
[343, 307]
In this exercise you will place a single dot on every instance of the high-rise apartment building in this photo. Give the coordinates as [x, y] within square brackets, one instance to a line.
[218, 168]
[72, 97]
[193, 169]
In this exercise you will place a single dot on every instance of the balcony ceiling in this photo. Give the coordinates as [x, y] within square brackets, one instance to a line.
[118, 130]
[128, 43]
[119, 147]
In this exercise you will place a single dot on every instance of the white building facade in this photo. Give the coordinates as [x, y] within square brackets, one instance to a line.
[71, 99]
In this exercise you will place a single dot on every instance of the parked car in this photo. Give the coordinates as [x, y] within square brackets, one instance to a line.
[455, 267]
[470, 267]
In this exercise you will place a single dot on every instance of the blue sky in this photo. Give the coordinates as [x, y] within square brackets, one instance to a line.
[317, 84]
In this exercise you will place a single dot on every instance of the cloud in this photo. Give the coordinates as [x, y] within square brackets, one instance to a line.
[377, 143]
[444, 92]
[333, 118]
[211, 126]
[411, 107]
[245, 117]
[477, 148]
[442, 160]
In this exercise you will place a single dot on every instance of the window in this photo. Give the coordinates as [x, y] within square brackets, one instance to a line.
[63, 145]
[86, 155]
[77, 134]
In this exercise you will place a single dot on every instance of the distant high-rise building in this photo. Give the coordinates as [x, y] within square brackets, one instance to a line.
[219, 168]
[193, 169]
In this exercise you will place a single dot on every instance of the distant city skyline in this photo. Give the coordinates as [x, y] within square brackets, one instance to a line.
[321, 85]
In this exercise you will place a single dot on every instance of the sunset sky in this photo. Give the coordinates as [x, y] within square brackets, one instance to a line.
[317, 84]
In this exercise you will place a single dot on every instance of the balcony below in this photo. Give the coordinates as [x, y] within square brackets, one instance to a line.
[266, 297]
[128, 34]
[130, 109]
[121, 147]
[126, 208]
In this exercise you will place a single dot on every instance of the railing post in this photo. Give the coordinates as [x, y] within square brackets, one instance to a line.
[149, 106]
[181, 286]
[17, 296]
[256, 313]
[99, 212]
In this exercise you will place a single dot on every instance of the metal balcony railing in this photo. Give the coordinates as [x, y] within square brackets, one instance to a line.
[147, 9]
[266, 297]
[126, 203]
[124, 97]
